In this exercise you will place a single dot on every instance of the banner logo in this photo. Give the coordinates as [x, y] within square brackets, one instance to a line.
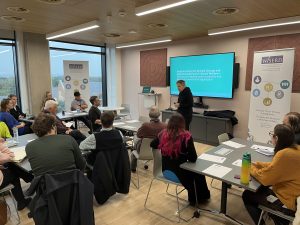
[272, 59]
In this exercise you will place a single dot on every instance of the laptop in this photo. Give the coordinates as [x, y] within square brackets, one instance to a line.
[146, 90]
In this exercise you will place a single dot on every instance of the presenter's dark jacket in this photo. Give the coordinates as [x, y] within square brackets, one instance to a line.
[95, 114]
[186, 102]
[16, 112]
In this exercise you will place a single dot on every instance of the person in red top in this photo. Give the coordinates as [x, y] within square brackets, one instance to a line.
[147, 130]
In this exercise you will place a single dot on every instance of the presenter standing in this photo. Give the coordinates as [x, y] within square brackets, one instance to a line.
[185, 102]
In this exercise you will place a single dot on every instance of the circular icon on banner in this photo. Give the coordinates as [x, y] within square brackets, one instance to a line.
[279, 94]
[257, 79]
[285, 84]
[82, 87]
[76, 82]
[68, 86]
[85, 81]
[67, 78]
[267, 101]
[256, 92]
[269, 87]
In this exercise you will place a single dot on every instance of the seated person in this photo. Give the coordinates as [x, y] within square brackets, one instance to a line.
[52, 153]
[79, 104]
[147, 130]
[177, 146]
[4, 131]
[11, 122]
[281, 174]
[9, 176]
[107, 138]
[16, 111]
[51, 108]
[293, 119]
[47, 96]
[95, 114]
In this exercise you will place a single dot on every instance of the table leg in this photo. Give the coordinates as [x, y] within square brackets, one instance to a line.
[224, 198]
[75, 120]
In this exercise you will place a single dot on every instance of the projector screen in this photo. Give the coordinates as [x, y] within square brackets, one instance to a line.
[206, 75]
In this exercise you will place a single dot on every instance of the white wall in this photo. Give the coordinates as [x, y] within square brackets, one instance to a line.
[227, 43]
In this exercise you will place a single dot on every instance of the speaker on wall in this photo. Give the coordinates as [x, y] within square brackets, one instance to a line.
[236, 74]
[168, 76]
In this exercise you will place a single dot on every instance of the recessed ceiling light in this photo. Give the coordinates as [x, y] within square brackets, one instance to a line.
[157, 25]
[122, 13]
[18, 9]
[111, 35]
[52, 2]
[225, 11]
[13, 19]
[132, 31]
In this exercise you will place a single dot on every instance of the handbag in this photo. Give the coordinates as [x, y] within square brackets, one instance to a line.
[3, 212]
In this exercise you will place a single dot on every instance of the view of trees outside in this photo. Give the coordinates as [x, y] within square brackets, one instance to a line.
[7, 72]
[57, 70]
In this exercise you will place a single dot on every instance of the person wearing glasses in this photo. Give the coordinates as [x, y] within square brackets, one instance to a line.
[281, 174]
[293, 119]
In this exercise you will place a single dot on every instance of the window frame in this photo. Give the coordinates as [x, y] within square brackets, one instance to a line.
[103, 62]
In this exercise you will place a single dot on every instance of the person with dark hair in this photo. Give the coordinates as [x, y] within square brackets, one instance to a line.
[177, 146]
[10, 176]
[16, 111]
[281, 174]
[293, 119]
[51, 108]
[79, 104]
[11, 122]
[95, 114]
[185, 103]
[52, 153]
[107, 138]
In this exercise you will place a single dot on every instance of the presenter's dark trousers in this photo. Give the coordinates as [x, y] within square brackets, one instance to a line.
[188, 121]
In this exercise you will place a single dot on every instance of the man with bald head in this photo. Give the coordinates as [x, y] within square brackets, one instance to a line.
[147, 130]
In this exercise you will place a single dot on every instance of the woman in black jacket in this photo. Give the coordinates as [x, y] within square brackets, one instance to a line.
[185, 103]
[177, 146]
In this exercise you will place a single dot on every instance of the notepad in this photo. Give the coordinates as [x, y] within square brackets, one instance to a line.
[233, 144]
[223, 151]
[268, 151]
[132, 121]
[118, 123]
[19, 153]
[212, 158]
[217, 170]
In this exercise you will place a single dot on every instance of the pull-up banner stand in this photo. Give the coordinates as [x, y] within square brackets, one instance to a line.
[270, 92]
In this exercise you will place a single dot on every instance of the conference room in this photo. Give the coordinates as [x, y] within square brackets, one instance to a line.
[149, 112]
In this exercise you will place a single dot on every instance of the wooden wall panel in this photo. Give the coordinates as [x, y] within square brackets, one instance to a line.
[153, 66]
[274, 42]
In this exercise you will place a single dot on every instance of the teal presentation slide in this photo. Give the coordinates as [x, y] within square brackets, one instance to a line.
[206, 75]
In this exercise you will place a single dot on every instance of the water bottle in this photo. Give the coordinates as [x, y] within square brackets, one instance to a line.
[16, 134]
[245, 170]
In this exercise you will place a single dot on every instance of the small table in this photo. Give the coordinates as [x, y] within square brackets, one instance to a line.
[128, 125]
[200, 165]
[72, 116]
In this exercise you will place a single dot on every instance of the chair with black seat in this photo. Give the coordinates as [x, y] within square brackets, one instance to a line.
[61, 199]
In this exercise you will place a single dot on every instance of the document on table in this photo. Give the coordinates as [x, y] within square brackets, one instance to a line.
[212, 158]
[118, 123]
[237, 163]
[223, 151]
[19, 153]
[129, 127]
[217, 170]
[233, 144]
[69, 124]
[268, 151]
[132, 121]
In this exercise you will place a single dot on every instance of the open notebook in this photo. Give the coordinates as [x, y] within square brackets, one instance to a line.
[20, 154]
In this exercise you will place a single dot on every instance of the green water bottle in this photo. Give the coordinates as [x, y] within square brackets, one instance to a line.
[245, 170]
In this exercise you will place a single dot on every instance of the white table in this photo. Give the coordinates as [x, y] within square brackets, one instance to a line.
[110, 108]
[128, 125]
[72, 116]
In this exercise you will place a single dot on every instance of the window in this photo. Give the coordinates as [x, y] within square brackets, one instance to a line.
[95, 55]
[8, 71]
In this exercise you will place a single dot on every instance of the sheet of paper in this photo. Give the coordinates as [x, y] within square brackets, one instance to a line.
[223, 151]
[265, 152]
[233, 144]
[217, 170]
[212, 158]
[118, 123]
[19, 153]
[30, 140]
[129, 127]
[132, 121]
[237, 163]
[69, 124]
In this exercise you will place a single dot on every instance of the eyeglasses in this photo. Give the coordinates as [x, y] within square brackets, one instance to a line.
[271, 133]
